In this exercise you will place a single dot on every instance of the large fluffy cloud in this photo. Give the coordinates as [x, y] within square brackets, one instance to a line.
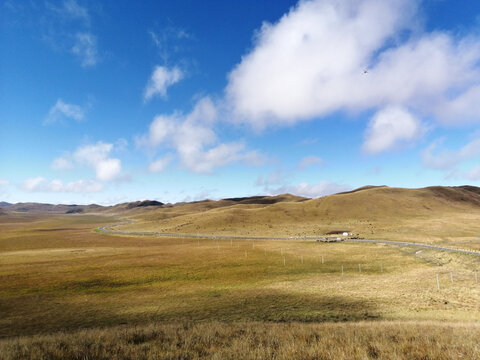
[193, 139]
[356, 55]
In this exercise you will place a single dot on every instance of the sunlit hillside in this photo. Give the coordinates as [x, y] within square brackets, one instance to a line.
[434, 214]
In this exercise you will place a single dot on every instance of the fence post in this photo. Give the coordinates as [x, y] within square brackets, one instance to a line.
[302, 259]
[360, 268]
[342, 270]
[322, 259]
[283, 261]
[438, 283]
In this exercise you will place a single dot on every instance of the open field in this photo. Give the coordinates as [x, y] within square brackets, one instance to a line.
[57, 274]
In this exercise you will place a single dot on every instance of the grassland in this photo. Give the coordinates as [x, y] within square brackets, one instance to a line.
[256, 340]
[58, 275]
[447, 216]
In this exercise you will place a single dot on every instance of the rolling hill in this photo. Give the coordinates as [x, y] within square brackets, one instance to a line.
[431, 214]
[427, 214]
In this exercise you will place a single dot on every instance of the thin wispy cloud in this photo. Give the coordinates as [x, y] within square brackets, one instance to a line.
[160, 164]
[69, 29]
[160, 80]
[70, 10]
[169, 41]
[41, 184]
[62, 163]
[61, 112]
[309, 161]
[85, 48]
[435, 157]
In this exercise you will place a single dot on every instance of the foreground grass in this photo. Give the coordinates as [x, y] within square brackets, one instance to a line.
[364, 340]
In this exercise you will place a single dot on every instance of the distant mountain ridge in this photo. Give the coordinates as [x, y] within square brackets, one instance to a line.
[357, 198]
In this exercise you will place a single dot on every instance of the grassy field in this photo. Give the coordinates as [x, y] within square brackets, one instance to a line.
[256, 340]
[57, 274]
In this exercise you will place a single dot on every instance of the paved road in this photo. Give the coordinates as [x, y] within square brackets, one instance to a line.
[107, 229]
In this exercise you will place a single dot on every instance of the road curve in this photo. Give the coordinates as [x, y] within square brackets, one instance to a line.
[107, 230]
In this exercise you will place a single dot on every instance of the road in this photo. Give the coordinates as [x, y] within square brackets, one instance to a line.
[107, 229]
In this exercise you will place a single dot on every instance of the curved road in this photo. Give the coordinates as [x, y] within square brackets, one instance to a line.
[107, 229]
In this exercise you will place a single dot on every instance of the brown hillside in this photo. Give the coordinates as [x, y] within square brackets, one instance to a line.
[427, 214]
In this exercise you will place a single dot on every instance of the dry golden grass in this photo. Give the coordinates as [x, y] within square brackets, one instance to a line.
[77, 278]
[365, 340]
[58, 275]
[430, 215]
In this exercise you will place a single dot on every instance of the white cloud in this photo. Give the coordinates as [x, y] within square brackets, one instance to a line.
[68, 28]
[4, 182]
[159, 165]
[62, 163]
[71, 10]
[448, 159]
[311, 63]
[311, 190]
[108, 169]
[62, 111]
[161, 79]
[85, 47]
[389, 127]
[41, 184]
[96, 156]
[194, 140]
[309, 161]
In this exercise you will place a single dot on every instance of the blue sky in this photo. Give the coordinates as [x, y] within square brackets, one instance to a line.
[113, 101]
